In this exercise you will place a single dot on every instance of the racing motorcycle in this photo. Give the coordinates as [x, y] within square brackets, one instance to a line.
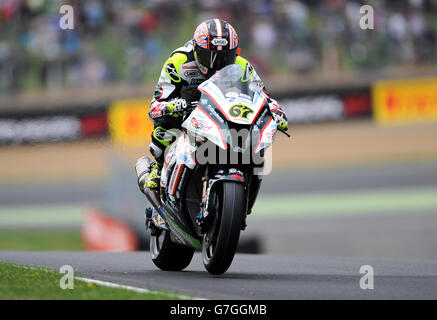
[211, 174]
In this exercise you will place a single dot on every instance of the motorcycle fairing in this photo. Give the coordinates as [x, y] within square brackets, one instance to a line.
[225, 104]
[177, 226]
[201, 123]
[178, 221]
[264, 131]
[178, 162]
[179, 153]
[267, 135]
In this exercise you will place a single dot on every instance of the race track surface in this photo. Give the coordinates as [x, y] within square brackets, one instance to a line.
[291, 181]
[251, 276]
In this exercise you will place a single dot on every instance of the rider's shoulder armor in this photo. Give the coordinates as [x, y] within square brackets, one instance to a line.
[249, 70]
[181, 69]
[180, 77]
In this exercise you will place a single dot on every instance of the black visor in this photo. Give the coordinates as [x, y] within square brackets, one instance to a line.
[215, 59]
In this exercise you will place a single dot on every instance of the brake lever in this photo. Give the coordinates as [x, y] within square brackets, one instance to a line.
[284, 132]
[193, 105]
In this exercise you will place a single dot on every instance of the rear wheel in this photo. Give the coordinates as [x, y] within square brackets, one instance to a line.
[167, 255]
[221, 240]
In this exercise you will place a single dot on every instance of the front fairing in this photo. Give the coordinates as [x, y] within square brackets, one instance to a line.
[206, 123]
[231, 104]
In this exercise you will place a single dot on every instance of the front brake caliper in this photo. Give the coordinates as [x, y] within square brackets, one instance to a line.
[206, 209]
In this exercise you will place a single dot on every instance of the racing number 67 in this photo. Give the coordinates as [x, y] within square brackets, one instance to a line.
[240, 111]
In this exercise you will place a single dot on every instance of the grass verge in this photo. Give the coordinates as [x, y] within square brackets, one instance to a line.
[23, 283]
[40, 240]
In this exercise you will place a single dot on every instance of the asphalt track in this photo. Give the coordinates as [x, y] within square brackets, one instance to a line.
[402, 244]
[308, 224]
[251, 276]
[290, 181]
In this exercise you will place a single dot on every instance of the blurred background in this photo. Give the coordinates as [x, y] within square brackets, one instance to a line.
[358, 177]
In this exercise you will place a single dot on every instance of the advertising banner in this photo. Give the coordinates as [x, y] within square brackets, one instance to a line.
[129, 122]
[52, 128]
[405, 101]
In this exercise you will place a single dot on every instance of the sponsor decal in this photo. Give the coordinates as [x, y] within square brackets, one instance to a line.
[219, 41]
[195, 82]
[271, 135]
[192, 73]
[200, 124]
[405, 101]
[156, 113]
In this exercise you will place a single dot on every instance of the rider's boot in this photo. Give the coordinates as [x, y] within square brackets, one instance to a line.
[149, 185]
[154, 178]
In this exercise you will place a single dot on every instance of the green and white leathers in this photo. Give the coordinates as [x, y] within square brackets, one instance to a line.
[180, 77]
[177, 85]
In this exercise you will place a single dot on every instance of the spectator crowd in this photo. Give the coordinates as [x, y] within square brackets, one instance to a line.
[127, 41]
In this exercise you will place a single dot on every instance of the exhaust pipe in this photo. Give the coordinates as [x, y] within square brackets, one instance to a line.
[142, 168]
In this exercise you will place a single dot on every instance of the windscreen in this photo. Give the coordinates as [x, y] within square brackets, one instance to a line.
[230, 82]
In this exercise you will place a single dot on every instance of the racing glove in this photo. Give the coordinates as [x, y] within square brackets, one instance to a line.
[176, 107]
[278, 115]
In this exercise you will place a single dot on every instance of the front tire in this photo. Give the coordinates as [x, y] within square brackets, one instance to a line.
[220, 242]
[167, 255]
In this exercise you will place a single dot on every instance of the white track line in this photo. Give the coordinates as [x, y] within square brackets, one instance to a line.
[120, 286]
[135, 289]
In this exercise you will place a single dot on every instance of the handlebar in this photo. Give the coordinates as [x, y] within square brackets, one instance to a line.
[192, 105]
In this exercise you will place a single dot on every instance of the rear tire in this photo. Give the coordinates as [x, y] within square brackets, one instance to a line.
[220, 242]
[167, 255]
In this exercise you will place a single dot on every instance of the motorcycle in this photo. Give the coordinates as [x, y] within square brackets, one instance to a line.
[205, 197]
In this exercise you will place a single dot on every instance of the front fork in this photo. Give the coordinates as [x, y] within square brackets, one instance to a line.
[254, 187]
[202, 217]
[209, 194]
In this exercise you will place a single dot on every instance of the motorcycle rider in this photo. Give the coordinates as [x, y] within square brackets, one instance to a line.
[214, 46]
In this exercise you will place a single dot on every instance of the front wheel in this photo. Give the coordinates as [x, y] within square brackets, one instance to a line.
[221, 240]
[167, 255]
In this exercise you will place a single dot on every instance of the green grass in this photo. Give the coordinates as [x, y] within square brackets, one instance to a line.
[412, 200]
[43, 216]
[21, 283]
[40, 240]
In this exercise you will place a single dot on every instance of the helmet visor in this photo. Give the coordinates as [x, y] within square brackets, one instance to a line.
[215, 59]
